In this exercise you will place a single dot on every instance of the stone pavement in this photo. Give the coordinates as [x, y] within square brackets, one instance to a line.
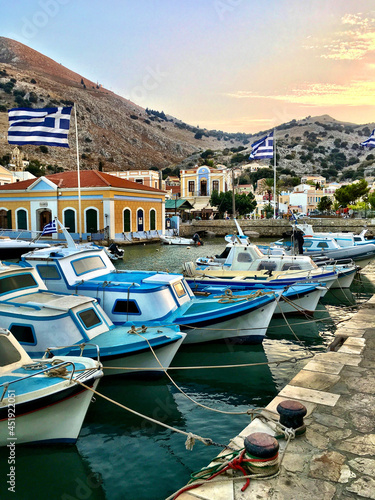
[335, 459]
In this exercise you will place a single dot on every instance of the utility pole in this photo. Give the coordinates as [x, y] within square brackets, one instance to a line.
[233, 197]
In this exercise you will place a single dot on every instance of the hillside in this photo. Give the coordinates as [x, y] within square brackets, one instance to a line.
[116, 134]
[112, 130]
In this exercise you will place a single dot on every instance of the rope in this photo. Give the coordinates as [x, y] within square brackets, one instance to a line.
[57, 372]
[228, 296]
[184, 393]
[190, 440]
[209, 367]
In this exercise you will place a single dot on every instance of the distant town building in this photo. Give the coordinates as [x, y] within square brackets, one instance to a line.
[151, 178]
[314, 178]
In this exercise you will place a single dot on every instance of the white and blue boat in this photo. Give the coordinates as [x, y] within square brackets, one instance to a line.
[148, 297]
[40, 319]
[247, 258]
[41, 400]
[295, 299]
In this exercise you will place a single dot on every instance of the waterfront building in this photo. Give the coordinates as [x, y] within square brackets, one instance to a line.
[110, 206]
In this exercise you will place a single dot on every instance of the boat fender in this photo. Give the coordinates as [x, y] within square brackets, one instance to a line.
[291, 415]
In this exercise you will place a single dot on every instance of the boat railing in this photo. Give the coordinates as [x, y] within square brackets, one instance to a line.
[24, 234]
[64, 364]
[82, 346]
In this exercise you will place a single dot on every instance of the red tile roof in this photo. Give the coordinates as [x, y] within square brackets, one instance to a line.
[88, 178]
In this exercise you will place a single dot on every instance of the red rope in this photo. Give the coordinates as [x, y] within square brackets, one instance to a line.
[234, 464]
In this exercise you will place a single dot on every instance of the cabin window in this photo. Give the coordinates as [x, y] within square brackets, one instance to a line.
[322, 244]
[17, 282]
[267, 265]
[24, 334]
[307, 243]
[89, 318]
[357, 238]
[8, 353]
[179, 289]
[126, 306]
[87, 264]
[291, 267]
[48, 272]
[244, 257]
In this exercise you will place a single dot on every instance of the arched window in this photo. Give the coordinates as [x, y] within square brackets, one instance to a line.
[152, 219]
[140, 220]
[127, 221]
[5, 219]
[70, 220]
[21, 219]
[91, 218]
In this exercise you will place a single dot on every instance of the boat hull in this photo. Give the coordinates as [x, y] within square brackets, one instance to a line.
[247, 328]
[51, 418]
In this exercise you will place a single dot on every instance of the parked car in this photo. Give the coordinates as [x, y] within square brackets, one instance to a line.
[299, 216]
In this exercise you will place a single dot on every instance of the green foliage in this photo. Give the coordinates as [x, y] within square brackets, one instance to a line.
[371, 200]
[325, 204]
[262, 173]
[207, 154]
[198, 135]
[245, 203]
[33, 81]
[33, 97]
[348, 195]
[43, 149]
[36, 168]
[3, 109]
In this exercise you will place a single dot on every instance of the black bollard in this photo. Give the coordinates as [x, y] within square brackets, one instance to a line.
[291, 415]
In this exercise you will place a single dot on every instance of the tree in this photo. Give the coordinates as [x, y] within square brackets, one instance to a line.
[371, 200]
[348, 195]
[245, 203]
[325, 204]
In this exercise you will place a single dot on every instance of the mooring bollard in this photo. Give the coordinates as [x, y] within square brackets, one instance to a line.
[291, 415]
[262, 453]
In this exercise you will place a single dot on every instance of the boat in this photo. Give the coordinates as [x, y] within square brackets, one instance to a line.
[13, 248]
[148, 297]
[294, 299]
[344, 239]
[42, 401]
[248, 257]
[176, 240]
[318, 247]
[40, 319]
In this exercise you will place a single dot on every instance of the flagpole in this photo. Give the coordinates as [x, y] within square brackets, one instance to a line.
[274, 173]
[78, 176]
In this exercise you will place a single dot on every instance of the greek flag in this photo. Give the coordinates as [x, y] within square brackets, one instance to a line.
[47, 127]
[262, 148]
[49, 228]
[370, 142]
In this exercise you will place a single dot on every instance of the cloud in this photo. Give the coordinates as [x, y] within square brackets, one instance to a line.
[353, 42]
[356, 93]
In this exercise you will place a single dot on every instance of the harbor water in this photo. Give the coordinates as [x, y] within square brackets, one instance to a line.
[122, 456]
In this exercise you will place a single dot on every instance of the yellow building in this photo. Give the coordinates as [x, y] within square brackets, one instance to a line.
[108, 205]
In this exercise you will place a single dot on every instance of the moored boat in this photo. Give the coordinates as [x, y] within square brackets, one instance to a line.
[42, 401]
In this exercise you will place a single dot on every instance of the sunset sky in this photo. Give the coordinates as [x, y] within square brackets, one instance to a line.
[232, 65]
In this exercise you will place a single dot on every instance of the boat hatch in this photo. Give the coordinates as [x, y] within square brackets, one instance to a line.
[167, 279]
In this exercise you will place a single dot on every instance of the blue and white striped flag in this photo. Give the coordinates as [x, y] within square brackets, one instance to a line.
[49, 228]
[47, 127]
[262, 148]
[370, 142]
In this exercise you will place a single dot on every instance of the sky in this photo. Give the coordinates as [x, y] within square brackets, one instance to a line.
[231, 65]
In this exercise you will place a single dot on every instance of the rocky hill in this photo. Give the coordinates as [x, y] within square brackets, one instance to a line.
[116, 134]
[112, 131]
